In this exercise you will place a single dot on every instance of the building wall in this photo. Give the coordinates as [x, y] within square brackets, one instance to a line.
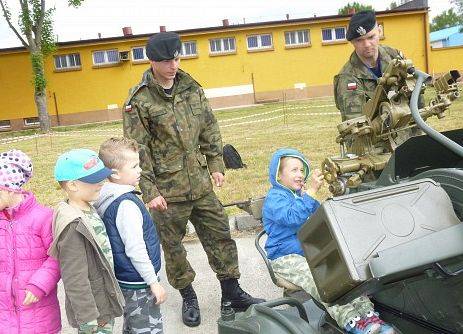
[445, 59]
[96, 93]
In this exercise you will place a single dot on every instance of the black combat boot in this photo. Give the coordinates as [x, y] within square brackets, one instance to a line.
[240, 300]
[190, 307]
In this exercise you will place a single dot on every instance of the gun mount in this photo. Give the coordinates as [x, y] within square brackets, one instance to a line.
[367, 142]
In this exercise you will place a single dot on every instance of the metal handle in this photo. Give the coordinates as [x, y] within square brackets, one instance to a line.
[445, 272]
[287, 301]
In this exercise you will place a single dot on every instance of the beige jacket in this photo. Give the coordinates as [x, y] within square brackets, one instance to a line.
[92, 291]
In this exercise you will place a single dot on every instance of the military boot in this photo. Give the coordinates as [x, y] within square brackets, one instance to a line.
[190, 307]
[240, 300]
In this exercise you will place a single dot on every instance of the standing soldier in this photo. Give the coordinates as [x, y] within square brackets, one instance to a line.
[180, 145]
[357, 80]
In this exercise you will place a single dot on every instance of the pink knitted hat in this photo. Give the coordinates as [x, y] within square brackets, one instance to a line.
[15, 170]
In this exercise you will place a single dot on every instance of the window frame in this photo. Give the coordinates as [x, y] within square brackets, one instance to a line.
[106, 63]
[191, 55]
[5, 127]
[222, 52]
[298, 44]
[333, 34]
[67, 68]
[259, 46]
[33, 123]
[144, 59]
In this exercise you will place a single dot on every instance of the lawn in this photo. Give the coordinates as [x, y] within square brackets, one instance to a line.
[256, 132]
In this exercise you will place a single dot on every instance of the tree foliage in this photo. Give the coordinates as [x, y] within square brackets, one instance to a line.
[34, 29]
[446, 19]
[354, 5]
[392, 5]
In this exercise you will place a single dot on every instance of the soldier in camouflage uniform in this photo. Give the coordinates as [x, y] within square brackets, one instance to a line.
[81, 245]
[180, 146]
[357, 80]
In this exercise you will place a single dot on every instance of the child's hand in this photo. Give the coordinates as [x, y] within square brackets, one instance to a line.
[30, 298]
[159, 292]
[315, 182]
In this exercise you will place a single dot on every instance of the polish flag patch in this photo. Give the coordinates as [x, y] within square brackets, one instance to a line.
[128, 108]
[352, 86]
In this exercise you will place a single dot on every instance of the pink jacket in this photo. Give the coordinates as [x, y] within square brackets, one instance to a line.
[25, 236]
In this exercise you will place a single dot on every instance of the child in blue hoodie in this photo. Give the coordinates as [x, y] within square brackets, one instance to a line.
[288, 205]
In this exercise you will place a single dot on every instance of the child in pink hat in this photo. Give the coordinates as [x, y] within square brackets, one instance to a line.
[28, 276]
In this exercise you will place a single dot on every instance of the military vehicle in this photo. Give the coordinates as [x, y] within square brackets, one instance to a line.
[406, 194]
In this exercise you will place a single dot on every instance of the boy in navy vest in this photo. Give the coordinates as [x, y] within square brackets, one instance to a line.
[133, 237]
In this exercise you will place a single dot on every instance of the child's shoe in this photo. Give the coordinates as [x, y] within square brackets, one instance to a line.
[369, 324]
[362, 326]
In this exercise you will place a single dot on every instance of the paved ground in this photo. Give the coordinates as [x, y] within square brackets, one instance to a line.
[255, 280]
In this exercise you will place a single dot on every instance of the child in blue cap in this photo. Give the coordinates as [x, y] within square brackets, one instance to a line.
[288, 205]
[81, 245]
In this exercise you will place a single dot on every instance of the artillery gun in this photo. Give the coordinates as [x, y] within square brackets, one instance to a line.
[396, 232]
[367, 142]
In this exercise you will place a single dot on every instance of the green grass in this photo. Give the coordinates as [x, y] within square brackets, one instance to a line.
[296, 125]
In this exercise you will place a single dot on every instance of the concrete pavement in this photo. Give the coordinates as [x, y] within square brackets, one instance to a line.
[255, 280]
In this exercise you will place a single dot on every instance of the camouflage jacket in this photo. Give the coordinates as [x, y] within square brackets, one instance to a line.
[354, 73]
[178, 137]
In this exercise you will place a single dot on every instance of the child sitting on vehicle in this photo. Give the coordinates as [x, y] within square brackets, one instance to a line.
[287, 206]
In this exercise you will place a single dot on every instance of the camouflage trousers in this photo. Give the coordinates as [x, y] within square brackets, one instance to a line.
[211, 224]
[294, 268]
[92, 329]
[141, 314]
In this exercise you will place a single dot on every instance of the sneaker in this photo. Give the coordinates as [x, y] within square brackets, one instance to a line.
[385, 327]
[363, 325]
[369, 324]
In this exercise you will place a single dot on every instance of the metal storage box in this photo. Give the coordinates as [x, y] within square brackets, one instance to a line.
[346, 232]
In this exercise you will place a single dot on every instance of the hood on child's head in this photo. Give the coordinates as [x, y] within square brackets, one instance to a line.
[15, 170]
[275, 164]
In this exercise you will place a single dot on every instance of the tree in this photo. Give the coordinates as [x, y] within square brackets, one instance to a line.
[392, 5]
[355, 5]
[446, 19]
[459, 5]
[35, 31]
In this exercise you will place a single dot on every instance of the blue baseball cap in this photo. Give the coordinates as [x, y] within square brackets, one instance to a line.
[81, 164]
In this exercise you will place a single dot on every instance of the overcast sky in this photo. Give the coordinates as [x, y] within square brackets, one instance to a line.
[145, 16]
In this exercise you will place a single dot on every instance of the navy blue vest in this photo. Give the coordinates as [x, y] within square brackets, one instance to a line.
[123, 267]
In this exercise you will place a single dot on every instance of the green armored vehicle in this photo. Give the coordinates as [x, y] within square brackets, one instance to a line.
[406, 193]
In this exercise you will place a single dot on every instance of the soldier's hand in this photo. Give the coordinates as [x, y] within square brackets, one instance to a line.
[158, 291]
[218, 178]
[158, 204]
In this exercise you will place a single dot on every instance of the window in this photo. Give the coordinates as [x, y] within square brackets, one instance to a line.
[188, 49]
[31, 121]
[334, 34]
[139, 53]
[105, 57]
[67, 61]
[5, 124]
[257, 42]
[297, 37]
[222, 45]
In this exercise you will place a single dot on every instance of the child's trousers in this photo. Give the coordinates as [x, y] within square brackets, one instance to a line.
[294, 268]
[141, 314]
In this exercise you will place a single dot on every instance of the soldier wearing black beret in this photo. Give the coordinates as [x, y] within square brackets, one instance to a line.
[180, 145]
[357, 80]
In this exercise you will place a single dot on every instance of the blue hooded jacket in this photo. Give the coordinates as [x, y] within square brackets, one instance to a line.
[284, 210]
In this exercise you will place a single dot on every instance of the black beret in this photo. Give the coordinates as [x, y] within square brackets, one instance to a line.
[360, 24]
[163, 46]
